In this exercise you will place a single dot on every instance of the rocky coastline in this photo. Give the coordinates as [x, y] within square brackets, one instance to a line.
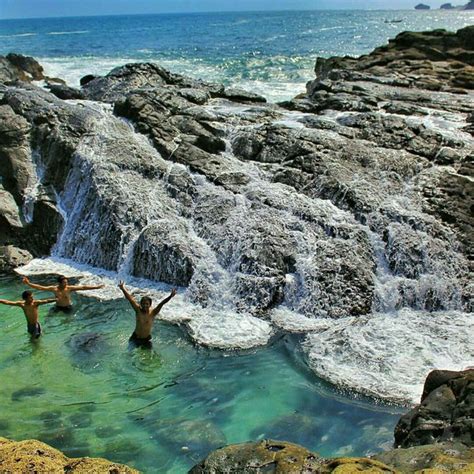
[358, 189]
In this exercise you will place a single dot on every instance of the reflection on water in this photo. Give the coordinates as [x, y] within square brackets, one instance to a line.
[82, 389]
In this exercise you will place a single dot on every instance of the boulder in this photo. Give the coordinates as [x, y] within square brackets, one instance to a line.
[280, 457]
[12, 257]
[34, 456]
[444, 414]
[65, 92]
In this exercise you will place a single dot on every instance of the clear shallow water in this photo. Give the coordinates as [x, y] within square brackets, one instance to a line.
[272, 53]
[163, 410]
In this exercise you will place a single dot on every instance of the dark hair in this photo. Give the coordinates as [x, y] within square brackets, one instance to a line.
[146, 298]
[25, 294]
[61, 278]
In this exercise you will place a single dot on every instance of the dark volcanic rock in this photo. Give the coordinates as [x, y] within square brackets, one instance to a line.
[445, 412]
[167, 251]
[66, 92]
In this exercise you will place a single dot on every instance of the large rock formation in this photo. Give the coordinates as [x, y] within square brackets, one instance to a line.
[34, 456]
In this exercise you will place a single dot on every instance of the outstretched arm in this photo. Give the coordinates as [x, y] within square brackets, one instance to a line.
[38, 287]
[162, 303]
[11, 303]
[49, 300]
[129, 297]
[85, 287]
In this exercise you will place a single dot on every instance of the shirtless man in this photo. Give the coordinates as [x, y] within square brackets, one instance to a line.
[145, 316]
[62, 291]
[30, 307]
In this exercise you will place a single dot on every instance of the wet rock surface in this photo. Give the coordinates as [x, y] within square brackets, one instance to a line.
[444, 414]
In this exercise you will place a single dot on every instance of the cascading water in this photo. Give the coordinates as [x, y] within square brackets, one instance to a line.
[254, 246]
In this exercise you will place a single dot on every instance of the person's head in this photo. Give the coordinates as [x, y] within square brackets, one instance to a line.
[27, 296]
[145, 303]
[62, 281]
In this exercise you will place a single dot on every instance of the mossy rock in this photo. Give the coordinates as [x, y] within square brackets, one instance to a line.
[352, 465]
[33, 456]
[442, 457]
[278, 457]
[264, 456]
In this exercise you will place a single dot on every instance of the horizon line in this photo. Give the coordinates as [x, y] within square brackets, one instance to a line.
[226, 11]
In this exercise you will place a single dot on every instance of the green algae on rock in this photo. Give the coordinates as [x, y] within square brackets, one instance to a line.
[280, 457]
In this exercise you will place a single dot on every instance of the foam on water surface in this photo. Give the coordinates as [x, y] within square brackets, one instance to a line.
[389, 355]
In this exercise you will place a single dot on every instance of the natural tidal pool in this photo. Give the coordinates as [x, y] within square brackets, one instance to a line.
[83, 390]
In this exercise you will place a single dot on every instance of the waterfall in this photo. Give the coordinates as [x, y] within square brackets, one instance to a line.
[247, 247]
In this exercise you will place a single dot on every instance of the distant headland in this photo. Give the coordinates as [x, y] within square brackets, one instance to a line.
[447, 6]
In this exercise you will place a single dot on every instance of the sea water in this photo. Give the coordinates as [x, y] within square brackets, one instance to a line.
[271, 53]
[82, 389]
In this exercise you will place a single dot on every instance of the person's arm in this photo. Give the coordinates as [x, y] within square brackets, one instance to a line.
[162, 303]
[38, 287]
[129, 297]
[49, 300]
[84, 287]
[11, 303]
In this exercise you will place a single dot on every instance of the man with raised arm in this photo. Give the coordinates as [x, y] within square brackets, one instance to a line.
[62, 291]
[145, 316]
[30, 307]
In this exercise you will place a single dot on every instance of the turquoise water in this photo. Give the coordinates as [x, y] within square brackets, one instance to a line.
[82, 389]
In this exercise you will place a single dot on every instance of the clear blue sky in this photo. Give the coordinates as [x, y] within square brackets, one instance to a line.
[47, 8]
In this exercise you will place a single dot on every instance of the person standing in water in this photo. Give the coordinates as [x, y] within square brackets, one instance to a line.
[145, 316]
[62, 291]
[30, 307]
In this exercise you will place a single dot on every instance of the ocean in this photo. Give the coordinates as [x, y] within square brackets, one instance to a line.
[270, 53]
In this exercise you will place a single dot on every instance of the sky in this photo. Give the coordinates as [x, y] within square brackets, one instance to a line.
[58, 8]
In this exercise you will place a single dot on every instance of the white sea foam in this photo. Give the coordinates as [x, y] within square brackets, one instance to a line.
[227, 330]
[68, 32]
[277, 88]
[297, 323]
[18, 35]
[389, 355]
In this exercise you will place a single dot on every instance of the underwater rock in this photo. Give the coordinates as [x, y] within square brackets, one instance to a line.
[298, 428]
[27, 392]
[87, 350]
[199, 436]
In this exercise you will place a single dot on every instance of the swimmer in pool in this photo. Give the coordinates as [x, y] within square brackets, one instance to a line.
[144, 315]
[30, 307]
[62, 291]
